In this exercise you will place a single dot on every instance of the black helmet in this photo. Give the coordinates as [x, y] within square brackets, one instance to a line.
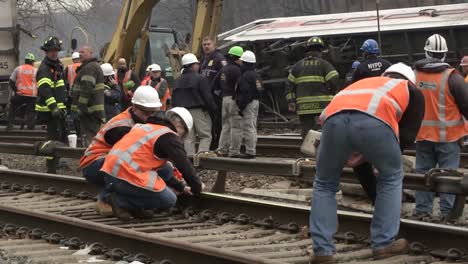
[316, 42]
[52, 43]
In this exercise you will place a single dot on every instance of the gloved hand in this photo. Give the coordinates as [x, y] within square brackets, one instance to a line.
[63, 113]
[56, 114]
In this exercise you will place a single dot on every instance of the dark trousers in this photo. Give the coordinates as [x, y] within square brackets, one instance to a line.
[89, 127]
[217, 122]
[309, 122]
[17, 101]
[56, 130]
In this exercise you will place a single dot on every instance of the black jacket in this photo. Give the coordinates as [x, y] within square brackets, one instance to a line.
[169, 146]
[227, 78]
[112, 105]
[191, 90]
[211, 64]
[373, 66]
[51, 91]
[457, 85]
[248, 86]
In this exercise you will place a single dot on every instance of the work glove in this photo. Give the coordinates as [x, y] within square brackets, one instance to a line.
[47, 148]
[56, 113]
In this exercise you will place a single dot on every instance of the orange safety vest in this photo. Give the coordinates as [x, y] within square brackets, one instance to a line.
[166, 96]
[381, 97]
[99, 147]
[442, 121]
[26, 84]
[71, 69]
[132, 158]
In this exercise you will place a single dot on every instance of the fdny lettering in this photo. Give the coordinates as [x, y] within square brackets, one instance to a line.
[375, 66]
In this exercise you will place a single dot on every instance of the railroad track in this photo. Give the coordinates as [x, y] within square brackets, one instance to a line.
[212, 228]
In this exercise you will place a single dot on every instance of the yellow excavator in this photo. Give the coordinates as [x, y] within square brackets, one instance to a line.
[136, 40]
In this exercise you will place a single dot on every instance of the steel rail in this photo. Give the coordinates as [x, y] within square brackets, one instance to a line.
[447, 236]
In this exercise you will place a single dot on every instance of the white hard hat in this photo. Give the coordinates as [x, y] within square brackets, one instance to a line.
[148, 68]
[182, 113]
[75, 55]
[146, 96]
[189, 58]
[436, 43]
[402, 69]
[107, 69]
[155, 67]
[248, 56]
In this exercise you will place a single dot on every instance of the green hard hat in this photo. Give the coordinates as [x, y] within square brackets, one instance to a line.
[30, 56]
[236, 51]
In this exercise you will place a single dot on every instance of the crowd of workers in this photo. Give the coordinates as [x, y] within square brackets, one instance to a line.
[138, 147]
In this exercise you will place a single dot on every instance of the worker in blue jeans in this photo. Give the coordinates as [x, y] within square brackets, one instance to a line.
[446, 95]
[370, 117]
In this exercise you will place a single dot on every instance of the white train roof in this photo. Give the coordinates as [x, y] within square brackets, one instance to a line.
[350, 23]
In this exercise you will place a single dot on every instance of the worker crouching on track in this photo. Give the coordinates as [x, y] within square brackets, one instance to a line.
[133, 168]
[364, 118]
[145, 104]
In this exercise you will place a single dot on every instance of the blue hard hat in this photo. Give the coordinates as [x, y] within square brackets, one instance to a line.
[355, 64]
[370, 46]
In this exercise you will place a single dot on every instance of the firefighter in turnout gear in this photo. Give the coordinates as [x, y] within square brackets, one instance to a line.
[88, 96]
[23, 84]
[50, 104]
[311, 85]
[372, 66]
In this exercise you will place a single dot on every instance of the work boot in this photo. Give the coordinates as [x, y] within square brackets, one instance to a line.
[103, 208]
[246, 156]
[398, 247]
[321, 260]
[142, 214]
[420, 216]
[120, 213]
[221, 153]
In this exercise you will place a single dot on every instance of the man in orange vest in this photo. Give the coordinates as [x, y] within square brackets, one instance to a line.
[24, 85]
[70, 71]
[464, 65]
[159, 84]
[133, 166]
[145, 104]
[126, 79]
[444, 124]
[373, 116]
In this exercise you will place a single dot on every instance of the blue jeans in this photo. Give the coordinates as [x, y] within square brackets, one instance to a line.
[343, 134]
[94, 176]
[134, 198]
[431, 155]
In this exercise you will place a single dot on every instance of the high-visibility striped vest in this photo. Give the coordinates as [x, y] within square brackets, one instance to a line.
[132, 159]
[26, 84]
[383, 98]
[166, 96]
[99, 147]
[71, 72]
[442, 121]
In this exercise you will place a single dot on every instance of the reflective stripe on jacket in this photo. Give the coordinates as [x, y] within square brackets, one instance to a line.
[99, 148]
[383, 98]
[442, 121]
[132, 159]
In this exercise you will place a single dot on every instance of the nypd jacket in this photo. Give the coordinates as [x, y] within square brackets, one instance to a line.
[191, 90]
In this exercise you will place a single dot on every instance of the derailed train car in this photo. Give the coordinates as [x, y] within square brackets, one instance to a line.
[280, 42]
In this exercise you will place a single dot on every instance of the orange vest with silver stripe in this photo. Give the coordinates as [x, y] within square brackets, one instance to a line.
[132, 158]
[99, 148]
[383, 98]
[26, 84]
[71, 72]
[442, 121]
[166, 96]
